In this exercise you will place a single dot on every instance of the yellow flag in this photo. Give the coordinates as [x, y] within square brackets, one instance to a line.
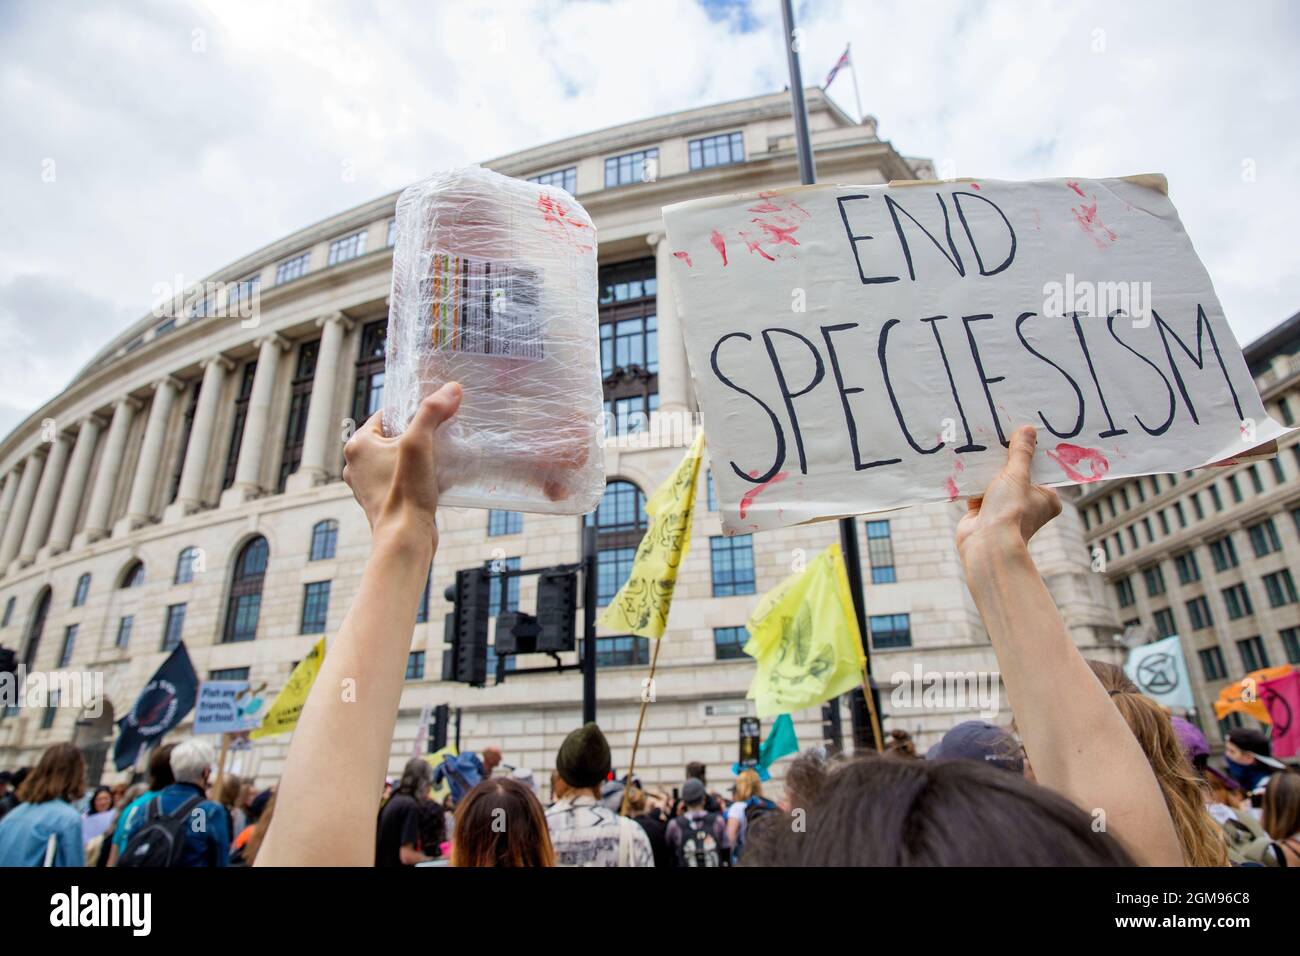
[641, 605]
[1243, 695]
[804, 637]
[287, 707]
[436, 794]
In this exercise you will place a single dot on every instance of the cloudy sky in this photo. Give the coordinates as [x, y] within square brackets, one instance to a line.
[148, 139]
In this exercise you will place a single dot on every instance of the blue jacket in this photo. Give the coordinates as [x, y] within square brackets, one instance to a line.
[25, 832]
[207, 840]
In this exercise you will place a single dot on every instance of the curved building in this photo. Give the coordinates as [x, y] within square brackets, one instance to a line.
[186, 486]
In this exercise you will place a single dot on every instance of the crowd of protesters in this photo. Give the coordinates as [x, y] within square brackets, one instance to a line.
[1091, 772]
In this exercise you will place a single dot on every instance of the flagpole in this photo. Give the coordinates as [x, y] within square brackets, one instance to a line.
[857, 97]
[636, 741]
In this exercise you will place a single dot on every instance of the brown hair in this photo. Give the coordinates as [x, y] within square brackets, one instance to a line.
[900, 744]
[636, 801]
[805, 778]
[893, 811]
[60, 775]
[160, 767]
[748, 785]
[501, 823]
[231, 788]
[259, 832]
[1184, 790]
[1281, 809]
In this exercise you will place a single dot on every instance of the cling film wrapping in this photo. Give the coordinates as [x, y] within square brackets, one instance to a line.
[494, 287]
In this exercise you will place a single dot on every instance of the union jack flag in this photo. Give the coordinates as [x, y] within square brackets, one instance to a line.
[842, 62]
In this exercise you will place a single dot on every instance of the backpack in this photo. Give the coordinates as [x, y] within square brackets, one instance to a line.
[755, 807]
[698, 847]
[160, 841]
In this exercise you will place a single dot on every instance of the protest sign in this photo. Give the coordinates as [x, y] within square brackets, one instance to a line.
[861, 348]
[226, 707]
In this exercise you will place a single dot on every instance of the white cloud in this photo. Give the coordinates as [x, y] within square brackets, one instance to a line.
[177, 151]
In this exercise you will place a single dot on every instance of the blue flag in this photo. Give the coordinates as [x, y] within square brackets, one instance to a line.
[163, 703]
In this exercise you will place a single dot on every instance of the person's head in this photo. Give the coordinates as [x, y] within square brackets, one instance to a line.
[160, 767]
[804, 779]
[491, 757]
[748, 785]
[890, 811]
[697, 771]
[1281, 809]
[980, 741]
[417, 778]
[228, 793]
[6, 782]
[693, 794]
[259, 830]
[900, 744]
[1191, 741]
[60, 774]
[583, 761]
[1183, 789]
[102, 801]
[636, 801]
[501, 823]
[1246, 746]
[192, 762]
[257, 807]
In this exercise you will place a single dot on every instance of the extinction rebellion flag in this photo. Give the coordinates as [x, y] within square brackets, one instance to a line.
[163, 703]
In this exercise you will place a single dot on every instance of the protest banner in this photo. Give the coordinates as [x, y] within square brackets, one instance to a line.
[226, 707]
[282, 716]
[861, 348]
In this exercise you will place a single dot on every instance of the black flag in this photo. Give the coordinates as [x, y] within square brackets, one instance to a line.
[166, 699]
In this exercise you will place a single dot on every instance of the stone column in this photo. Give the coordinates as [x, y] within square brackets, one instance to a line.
[101, 498]
[673, 372]
[7, 496]
[189, 495]
[74, 485]
[47, 494]
[257, 421]
[321, 434]
[139, 508]
[22, 507]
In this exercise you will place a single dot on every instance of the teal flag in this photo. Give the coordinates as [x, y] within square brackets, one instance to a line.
[780, 741]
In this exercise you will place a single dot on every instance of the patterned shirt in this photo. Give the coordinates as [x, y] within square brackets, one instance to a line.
[584, 832]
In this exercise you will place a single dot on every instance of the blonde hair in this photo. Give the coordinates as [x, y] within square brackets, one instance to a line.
[748, 785]
[1184, 790]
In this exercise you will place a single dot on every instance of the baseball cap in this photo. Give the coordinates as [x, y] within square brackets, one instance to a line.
[981, 741]
[693, 791]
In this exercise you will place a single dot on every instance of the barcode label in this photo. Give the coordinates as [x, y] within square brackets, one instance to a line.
[483, 307]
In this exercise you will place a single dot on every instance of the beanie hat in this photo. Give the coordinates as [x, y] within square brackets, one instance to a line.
[583, 760]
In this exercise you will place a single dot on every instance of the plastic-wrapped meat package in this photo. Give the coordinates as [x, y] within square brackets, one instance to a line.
[494, 287]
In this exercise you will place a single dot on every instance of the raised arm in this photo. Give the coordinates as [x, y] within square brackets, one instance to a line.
[339, 753]
[1074, 735]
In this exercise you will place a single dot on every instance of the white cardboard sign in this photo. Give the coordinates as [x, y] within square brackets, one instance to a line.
[861, 348]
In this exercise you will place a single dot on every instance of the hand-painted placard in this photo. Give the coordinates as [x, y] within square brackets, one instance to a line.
[861, 348]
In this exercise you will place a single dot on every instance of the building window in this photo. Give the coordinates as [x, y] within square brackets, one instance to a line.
[187, 426]
[625, 651]
[69, 641]
[324, 538]
[174, 626]
[711, 493]
[162, 328]
[629, 415]
[1238, 600]
[1119, 544]
[229, 673]
[124, 626]
[293, 268]
[1212, 663]
[1164, 621]
[1124, 592]
[9, 611]
[639, 167]
[133, 576]
[415, 665]
[890, 630]
[1291, 643]
[1263, 538]
[1163, 517]
[237, 424]
[1182, 515]
[492, 660]
[1280, 588]
[1253, 654]
[1256, 482]
[349, 247]
[732, 564]
[36, 629]
[315, 607]
[566, 179]
[244, 605]
[1196, 507]
[503, 592]
[880, 552]
[1234, 486]
[504, 522]
[721, 150]
[1123, 496]
[47, 718]
[83, 589]
[186, 564]
[1279, 474]
[1154, 577]
[1087, 521]
[368, 395]
[1187, 568]
[422, 615]
[1224, 553]
[1133, 536]
[1216, 498]
[1198, 609]
[629, 343]
[728, 642]
[620, 522]
[240, 296]
[295, 431]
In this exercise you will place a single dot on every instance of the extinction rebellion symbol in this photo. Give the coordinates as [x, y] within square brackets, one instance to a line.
[1158, 674]
[1279, 708]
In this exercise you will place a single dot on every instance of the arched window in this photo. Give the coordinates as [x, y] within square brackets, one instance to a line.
[620, 522]
[324, 536]
[36, 628]
[245, 602]
[187, 562]
[83, 588]
[133, 576]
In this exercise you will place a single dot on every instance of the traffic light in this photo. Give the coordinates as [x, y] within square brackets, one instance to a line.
[438, 733]
[516, 633]
[557, 607]
[832, 734]
[466, 629]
